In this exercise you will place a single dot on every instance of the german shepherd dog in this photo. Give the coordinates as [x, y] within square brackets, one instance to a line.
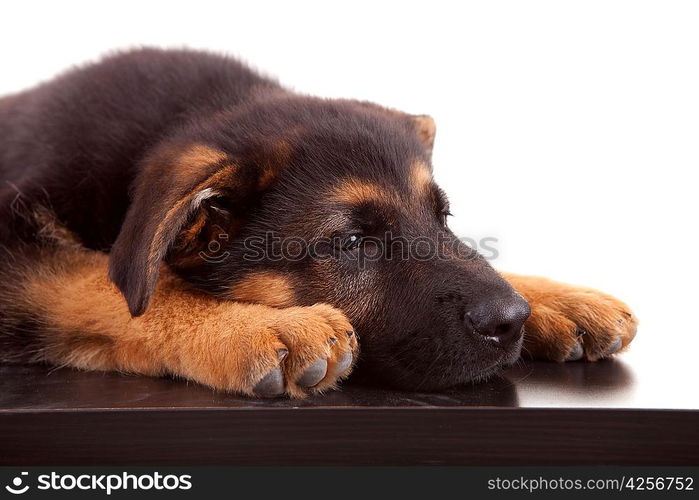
[172, 212]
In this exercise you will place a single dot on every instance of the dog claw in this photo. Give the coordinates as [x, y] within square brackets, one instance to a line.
[282, 353]
[271, 384]
[344, 363]
[613, 348]
[313, 374]
[576, 352]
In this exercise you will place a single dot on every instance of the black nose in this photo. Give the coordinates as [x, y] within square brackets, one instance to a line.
[500, 320]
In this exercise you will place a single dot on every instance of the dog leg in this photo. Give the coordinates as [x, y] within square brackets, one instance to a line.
[570, 322]
[78, 318]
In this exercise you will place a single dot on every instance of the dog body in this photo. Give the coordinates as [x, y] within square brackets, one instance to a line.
[255, 234]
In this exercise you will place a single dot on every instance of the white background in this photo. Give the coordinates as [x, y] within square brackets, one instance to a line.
[568, 130]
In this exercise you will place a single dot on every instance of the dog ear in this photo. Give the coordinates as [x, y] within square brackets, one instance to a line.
[426, 129]
[422, 125]
[177, 197]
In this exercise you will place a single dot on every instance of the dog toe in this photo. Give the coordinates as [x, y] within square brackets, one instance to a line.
[613, 347]
[576, 353]
[313, 374]
[270, 385]
[344, 363]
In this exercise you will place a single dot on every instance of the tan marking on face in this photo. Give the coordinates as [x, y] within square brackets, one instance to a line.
[264, 287]
[420, 176]
[354, 191]
[198, 156]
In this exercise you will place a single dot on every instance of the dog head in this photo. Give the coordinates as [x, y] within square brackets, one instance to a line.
[294, 200]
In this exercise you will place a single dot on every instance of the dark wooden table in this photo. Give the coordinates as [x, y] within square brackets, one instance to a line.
[537, 413]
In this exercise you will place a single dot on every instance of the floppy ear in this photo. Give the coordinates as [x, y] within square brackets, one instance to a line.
[170, 205]
[425, 128]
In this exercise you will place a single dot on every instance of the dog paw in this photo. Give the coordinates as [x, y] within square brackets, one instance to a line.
[569, 323]
[267, 352]
[321, 349]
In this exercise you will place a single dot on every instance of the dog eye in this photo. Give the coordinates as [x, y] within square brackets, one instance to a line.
[352, 242]
[443, 215]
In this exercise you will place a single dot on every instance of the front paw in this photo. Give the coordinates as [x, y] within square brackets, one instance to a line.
[262, 351]
[569, 323]
[322, 347]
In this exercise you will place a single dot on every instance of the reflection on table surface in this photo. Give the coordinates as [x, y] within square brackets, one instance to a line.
[609, 383]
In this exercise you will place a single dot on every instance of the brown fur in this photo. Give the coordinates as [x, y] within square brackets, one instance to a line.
[195, 157]
[564, 314]
[420, 177]
[223, 344]
[426, 130]
[264, 287]
[354, 192]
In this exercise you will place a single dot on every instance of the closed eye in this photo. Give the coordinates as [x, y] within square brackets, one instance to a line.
[441, 204]
[443, 215]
